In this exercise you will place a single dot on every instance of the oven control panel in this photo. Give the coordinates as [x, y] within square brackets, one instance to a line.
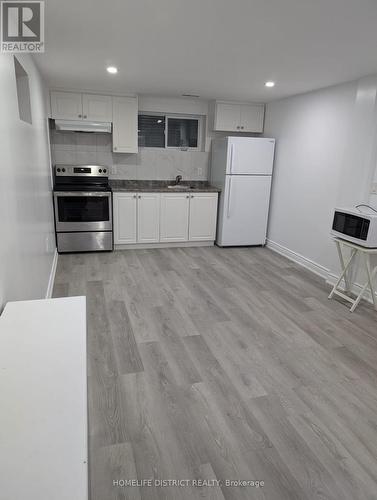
[81, 170]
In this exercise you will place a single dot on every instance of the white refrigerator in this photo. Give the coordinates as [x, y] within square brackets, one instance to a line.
[242, 168]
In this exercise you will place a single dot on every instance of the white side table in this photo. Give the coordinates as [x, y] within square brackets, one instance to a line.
[44, 411]
[365, 254]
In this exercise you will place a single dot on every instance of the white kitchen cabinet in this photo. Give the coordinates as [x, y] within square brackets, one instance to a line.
[148, 217]
[145, 218]
[75, 106]
[203, 215]
[125, 117]
[227, 116]
[125, 221]
[97, 108]
[251, 117]
[136, 218]
[238, 117]
[174, 220]
[66, 105]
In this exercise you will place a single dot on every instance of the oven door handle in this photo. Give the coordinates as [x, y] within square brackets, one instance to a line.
[82, 193]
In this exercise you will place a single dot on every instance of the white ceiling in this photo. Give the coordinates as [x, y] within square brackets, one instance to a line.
[214, 48]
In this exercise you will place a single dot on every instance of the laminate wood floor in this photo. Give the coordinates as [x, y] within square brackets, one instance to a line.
[224, 364]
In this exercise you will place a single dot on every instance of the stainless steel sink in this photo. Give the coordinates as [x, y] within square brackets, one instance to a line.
[178, 187]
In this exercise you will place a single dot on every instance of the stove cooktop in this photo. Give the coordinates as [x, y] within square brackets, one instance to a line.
[86, 178]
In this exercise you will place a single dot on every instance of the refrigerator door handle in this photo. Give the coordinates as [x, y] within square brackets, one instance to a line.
[231, 158]
[229, 199]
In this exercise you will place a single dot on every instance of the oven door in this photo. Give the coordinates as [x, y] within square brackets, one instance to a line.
[83, 211]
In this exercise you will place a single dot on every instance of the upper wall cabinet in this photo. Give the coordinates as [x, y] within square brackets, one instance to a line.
[66, 105]
[125, 111]
[97, 108]
[238, 117]
[75, 106]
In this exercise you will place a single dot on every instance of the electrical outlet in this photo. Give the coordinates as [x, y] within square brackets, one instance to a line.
[374, 188]
[114, 170]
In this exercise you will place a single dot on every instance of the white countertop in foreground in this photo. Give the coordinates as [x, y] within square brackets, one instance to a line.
[43, 393]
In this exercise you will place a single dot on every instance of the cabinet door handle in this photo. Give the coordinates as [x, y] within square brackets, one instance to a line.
[241, 127]
[115, 148]
[135, 196]
[238, 127]
[187, 196]
[192, 196]
[231, 159]
[139, 196]
[85, 116]
[80, 116]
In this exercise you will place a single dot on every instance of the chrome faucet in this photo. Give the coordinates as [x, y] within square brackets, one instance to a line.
[178, 179]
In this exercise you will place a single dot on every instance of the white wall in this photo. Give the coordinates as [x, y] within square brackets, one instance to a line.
[27, 234]
[360, 156]
[326, 156]
[373, 197]
[311, 131]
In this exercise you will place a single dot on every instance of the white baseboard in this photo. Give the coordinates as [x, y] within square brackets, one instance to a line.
[321, 271]
[51, 280]
[143, 246]
[317, 269]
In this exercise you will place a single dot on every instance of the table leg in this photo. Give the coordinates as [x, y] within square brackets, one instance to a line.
[368, 282]
[347, 287]
[344, 272]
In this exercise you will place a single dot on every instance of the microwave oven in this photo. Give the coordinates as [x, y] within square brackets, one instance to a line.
[356, 227]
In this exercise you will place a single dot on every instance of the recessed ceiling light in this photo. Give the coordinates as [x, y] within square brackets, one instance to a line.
[269, 84]
[112, 70]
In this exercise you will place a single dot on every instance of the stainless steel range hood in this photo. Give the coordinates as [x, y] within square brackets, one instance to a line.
[83, 126]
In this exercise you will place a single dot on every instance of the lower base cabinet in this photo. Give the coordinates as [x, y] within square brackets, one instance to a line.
[174, 217]
[124, 213]
[203, 217]
[164, 217]
[148, 217]
[136, 218]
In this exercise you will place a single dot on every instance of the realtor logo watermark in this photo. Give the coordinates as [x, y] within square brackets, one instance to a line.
[22, 27]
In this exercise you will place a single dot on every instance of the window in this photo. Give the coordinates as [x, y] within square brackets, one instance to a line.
[182, 133]
[151, 131]
[169, 131]
[23, 92]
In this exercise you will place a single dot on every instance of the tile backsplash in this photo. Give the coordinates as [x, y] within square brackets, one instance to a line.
[148, 164]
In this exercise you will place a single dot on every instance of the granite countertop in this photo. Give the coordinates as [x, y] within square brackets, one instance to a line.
[162, 186]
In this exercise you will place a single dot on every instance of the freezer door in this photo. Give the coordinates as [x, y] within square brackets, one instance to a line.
[250, 156]
[244, 211]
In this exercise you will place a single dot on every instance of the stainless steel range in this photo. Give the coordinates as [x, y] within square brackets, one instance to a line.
[83, 208]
